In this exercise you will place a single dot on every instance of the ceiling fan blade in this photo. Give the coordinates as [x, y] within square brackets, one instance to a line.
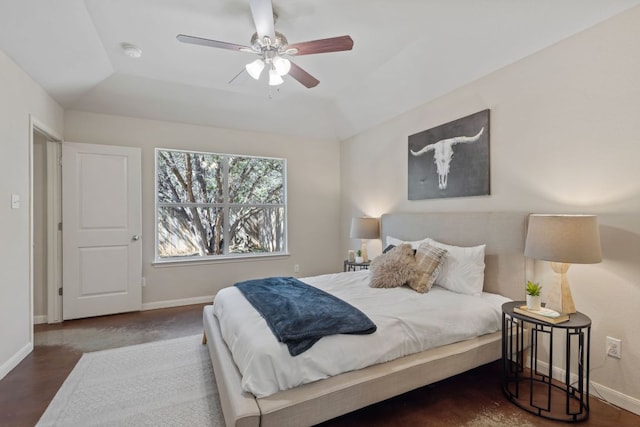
[333, 44]
[303, 77]
[262, 11]
[212, 43]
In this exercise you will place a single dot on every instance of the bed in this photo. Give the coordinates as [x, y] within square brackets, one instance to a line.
[314, 402]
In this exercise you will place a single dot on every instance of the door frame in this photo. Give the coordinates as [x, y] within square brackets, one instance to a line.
[36, 125]
[54, 232]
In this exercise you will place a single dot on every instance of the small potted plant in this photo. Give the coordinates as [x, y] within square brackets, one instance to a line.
[533, 295]
[359, 256]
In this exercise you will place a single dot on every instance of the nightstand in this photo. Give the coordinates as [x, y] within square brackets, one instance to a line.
[353, 266]
[529, 347]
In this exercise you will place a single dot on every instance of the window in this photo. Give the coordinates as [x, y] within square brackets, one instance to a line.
[218, 205]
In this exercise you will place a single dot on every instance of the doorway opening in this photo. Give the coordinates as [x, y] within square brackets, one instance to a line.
[45, 219]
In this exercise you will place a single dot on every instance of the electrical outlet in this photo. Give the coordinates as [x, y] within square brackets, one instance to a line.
[614, 347]
[296, 268]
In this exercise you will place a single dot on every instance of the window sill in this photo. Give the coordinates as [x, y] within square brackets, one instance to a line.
[176, 262]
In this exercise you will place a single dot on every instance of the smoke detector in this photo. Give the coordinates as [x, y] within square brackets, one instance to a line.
[131, 50]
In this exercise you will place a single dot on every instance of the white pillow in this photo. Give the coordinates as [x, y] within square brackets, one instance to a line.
[397, 242]
[463, 269]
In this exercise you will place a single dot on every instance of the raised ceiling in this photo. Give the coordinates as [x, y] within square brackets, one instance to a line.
[405, 54]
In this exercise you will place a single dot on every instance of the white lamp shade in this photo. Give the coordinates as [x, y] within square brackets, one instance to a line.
[274, 78]
[282, 65]
[255, 68]
[572, 239]
[365, 228]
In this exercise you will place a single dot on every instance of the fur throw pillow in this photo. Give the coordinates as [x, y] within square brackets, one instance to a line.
[394, 268]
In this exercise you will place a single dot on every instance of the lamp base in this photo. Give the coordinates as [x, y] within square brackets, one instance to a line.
[560, 299]
[365, 256]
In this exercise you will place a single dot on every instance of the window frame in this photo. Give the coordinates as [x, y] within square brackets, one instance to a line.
[226, 206]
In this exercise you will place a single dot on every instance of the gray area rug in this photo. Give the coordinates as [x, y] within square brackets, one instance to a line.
[163, 383]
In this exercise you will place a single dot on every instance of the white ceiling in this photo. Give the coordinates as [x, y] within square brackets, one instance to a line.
[406, 52]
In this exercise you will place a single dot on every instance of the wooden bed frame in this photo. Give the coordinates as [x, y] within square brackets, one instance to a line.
[505, 272]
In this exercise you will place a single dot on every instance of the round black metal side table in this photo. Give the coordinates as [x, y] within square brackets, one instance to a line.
[545, 366]
[354, 266]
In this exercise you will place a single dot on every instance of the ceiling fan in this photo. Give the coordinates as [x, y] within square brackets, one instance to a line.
[272, 48]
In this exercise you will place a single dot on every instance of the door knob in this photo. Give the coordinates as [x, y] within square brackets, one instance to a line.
[135, 237]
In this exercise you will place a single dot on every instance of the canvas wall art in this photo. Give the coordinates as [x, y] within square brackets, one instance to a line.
[450, 160]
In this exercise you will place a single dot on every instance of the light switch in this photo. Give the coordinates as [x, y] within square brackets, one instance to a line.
[15, 201]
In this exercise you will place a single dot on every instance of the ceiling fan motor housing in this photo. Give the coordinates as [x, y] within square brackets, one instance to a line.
[266, 44]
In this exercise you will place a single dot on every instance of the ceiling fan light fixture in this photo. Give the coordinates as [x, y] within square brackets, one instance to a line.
[274, 78]
[282, 65]
[255, 68]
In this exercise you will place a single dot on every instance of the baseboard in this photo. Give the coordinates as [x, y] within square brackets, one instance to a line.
[612, 396]
[38, 320]
[15, 359]
[151, 306]
[177, 302]
[600, 391]
[557, 373]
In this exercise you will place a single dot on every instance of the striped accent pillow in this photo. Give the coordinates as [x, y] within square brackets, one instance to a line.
[428, 264]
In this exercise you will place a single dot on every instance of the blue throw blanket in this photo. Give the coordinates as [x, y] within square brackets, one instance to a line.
[299, 314]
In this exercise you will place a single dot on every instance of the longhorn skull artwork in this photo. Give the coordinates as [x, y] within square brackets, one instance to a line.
[443, 153]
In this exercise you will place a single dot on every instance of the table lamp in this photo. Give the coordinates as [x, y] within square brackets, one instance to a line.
[563, 240]
[365, 228]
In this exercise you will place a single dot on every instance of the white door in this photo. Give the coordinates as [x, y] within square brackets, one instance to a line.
[101, 225]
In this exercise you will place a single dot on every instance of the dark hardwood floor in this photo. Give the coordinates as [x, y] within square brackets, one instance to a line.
[27, 390]
[473, 399]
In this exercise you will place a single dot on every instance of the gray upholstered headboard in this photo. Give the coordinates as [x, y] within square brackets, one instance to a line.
[503, 233]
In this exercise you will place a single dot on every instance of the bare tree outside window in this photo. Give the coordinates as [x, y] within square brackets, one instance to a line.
[216, 205]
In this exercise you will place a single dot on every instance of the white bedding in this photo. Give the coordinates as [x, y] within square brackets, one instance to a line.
[408, 322]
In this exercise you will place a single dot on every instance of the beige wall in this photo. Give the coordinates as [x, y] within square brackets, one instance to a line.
[565, 137]
[19, 97]
[313, 189]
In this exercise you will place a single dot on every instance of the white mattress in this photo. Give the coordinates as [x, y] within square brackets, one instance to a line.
[407, 323]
